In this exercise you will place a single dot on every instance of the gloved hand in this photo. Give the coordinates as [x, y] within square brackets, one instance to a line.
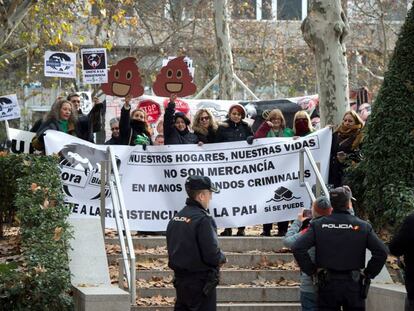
[250, 140]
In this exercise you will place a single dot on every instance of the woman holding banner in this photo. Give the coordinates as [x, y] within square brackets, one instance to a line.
[274, 126]
[205, 126]
[134, 128]
[176, 126]
[346, 141]
[60, 118]
[234, 129]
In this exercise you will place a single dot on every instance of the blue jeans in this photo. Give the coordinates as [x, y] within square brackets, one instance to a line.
[309, 301]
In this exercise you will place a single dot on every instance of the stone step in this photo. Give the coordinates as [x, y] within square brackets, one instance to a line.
[282, 306]
[227, 244]
[237, 294]
[231, 276]
[236, 259]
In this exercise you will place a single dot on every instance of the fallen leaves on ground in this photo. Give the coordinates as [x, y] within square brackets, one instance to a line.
[156, 301]
[262, 282]
[156, 281]
[152, 264]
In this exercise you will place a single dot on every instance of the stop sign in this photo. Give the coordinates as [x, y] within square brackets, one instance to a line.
[152, 109]
[180, 105]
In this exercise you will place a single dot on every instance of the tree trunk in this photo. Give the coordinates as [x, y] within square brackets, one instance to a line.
[11, 17]
[223, 49]
[324, 30]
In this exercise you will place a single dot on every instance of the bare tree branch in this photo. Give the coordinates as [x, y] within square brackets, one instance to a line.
[15, 15]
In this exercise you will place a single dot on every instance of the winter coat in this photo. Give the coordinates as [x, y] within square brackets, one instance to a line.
[230, 131]
[52, 124]
[172, 136]
[130, 129]
[206, 137]
[294, 232]
[350, 144]
[90, 123]
[114, 141]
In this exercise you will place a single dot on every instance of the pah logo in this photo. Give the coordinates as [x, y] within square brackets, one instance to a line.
[59, 61]
[80, 171]
[282, 194]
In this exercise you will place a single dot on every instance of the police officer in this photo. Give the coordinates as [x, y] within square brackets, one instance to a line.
[340, 242]
[402, 245]
[193, 251]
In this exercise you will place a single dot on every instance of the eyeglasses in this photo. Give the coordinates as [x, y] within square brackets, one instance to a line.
[204, 118]
[115, 129]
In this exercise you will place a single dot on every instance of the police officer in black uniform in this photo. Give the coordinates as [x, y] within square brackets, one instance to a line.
[340, 241]
[193, 251]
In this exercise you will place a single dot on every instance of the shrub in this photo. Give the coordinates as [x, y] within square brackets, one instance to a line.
[42, 281]
[386, 176]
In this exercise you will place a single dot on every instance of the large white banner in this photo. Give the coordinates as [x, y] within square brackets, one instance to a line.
[258, 183]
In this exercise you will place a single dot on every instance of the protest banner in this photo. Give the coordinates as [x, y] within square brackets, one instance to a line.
[94, 66]
[60, 64]
[21, 141]
[258, 183]
[9, 107]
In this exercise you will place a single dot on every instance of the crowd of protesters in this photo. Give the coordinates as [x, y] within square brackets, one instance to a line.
[133, 128]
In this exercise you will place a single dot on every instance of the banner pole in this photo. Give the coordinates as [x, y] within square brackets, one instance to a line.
[7, 129]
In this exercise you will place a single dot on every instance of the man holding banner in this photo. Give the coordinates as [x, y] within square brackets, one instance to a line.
[193, 251]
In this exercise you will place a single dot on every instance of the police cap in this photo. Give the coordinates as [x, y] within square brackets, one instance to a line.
[200, 183]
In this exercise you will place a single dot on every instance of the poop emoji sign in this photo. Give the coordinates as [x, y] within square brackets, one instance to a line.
[174, 78]
[124, 79]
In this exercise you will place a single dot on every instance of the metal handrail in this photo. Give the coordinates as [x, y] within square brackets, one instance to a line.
[121, 219]
[319, 180]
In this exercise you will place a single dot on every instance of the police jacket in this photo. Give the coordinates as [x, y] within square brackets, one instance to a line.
[340, 242]
[403, 244]
[192, 241]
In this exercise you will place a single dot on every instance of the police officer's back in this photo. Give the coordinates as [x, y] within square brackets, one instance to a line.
[193, 251]
[341, 240]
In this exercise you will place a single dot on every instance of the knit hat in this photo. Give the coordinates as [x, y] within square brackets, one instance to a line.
[340, 198]
[322, 206]
[239, 108]
[181, 115]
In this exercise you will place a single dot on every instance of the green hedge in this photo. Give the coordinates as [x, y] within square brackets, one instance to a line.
[42, 280]
[384, 181]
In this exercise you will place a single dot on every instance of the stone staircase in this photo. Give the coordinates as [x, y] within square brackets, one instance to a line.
[259, 276]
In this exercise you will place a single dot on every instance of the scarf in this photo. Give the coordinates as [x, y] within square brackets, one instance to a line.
[353, 131]
[273, 133]
[302, 127]
[64, 125]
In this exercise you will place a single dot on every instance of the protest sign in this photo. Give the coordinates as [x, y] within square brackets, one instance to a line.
[21, 141]
[9, 107]
[124, 79]
[60, 64]
[258, 183]
[94, 66]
